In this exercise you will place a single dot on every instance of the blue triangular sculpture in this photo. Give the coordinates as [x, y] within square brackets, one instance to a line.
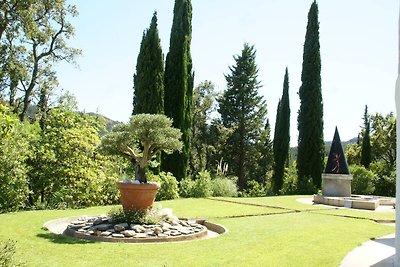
[337, 163]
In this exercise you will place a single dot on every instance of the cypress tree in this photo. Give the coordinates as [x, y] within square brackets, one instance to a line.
[244, 110]
[366, 141]
[311, 148]
[149, 78]
[178, 82]
[281, 141]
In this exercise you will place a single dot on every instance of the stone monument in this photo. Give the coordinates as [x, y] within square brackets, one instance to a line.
[336, 180]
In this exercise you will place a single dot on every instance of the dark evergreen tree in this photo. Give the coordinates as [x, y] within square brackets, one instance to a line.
[149, 78]
[178, 82]
[244, 110]
[311, 148]
[281, 143]
[366, 156]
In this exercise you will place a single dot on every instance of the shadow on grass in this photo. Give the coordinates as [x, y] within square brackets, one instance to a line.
[61, 239]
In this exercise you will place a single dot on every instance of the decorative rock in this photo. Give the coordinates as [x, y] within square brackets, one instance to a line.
[118, 235]
[183, 223]
[105, 233]
[158, 230]
[98, 221]
[138, 228]
[129, 233]
[175, 233]
[165, 225]
[103, 227]
[120, 227]
[141, 235]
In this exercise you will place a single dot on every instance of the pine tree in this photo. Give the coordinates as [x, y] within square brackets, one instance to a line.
[311, 147]
[178, 82]
[243, 109]
[366, 157]
[149, 78]
[281, 141]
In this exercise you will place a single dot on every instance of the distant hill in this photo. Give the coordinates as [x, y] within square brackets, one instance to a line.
[109, 122]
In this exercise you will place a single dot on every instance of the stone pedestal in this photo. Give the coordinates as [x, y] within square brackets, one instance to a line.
[336, 185]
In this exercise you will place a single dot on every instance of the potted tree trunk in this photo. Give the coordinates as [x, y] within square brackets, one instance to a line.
[138, 141]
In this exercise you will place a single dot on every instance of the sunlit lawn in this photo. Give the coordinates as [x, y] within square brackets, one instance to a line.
[265, 237]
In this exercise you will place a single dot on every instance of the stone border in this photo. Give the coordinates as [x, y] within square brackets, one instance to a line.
[60, 226]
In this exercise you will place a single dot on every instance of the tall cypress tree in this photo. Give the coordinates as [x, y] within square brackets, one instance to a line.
[366, 141]
[149, 78]
[244, 110]
[179, 85]
[311, 147]
[281, 141]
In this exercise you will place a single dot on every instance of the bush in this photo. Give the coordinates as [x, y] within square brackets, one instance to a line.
[16, 149]
[202, 185]
[145, 216]
[185, 187]
[169, 186]
[289, 186]
[7, 251]
[254, 189]
[224, 187]
[363, 180]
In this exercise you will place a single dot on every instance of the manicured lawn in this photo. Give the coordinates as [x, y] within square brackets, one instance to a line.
[265, 238]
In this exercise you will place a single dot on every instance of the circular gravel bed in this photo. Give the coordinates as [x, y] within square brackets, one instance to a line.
[101, 228]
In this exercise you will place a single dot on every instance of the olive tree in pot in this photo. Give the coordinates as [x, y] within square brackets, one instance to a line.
[138, 141]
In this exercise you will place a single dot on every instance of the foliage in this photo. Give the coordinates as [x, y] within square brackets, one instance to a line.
[241, 107]
[254, 189]
[385, 183]
[289, 186]
[311, 147]
[178, 80]
[140, 216]
[140, 139]
[186, 187]
[33, 37]
[366, 156]
[363, 180]
[224, 187]
[169, 186]
[383, 139]
[7, 253]
[202, 186]
[82, 176]
[353, 154]
[16, 147]
[149, 77]
[202, 146]
[281, 143]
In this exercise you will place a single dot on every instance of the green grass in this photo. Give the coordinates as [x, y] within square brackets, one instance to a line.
[305, 238]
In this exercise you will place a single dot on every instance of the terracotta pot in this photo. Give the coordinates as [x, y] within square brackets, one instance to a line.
[137, 196]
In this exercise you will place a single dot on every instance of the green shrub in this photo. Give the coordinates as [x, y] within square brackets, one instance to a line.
[202, 185]
[224, 187]
[169, 186]
[7, 251]
[363, 180]
[185, 187]
[118, 215]
[289, 186]
[254, 189]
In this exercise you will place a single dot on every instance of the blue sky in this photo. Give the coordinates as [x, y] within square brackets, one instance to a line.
[359, 41]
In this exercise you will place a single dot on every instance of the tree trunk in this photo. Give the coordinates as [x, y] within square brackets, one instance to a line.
[141, 174]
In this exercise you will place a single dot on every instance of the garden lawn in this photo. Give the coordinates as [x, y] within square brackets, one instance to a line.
[305, 238]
